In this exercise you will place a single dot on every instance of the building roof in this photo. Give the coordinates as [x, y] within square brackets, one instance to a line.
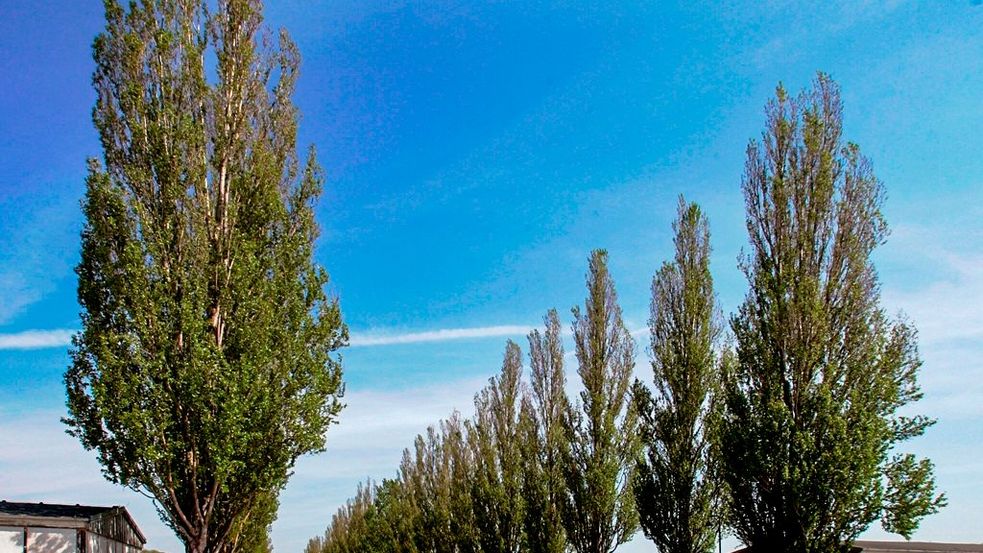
[51, 510]
[905, 547]
[916, 547]
[26, 511]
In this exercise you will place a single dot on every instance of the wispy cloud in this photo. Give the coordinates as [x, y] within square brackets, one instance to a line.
[39, 339]
[40, 231]
[446, 334]
[940, 309]
[949, 322]
[36, 339]
[441, 335]
[16, 292]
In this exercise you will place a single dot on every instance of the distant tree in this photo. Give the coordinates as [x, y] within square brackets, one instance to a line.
[396, 515]
[315, 545]
[674, 488]
[599, 509]
[205, 365]
[251, 533]
[459, 489]
[530, 471]
[544, 440]
[352, 527]
[378, 519]
[428, 479]
[497, 492]
[427, 508]
[812, 417]
[461, 461]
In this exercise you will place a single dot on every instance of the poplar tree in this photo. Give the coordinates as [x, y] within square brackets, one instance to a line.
[497, 498]
[599, 509]
[544, 440]
[813, 420]
[674, 488]
[428, 479]
[351, 527]
[204, 367]
[462, 465]
[396, 514]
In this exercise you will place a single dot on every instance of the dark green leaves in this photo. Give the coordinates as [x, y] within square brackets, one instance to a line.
[675, 489]
[599, 511]
[205, 365]
[811, 404]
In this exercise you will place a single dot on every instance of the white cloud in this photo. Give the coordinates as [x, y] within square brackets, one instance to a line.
[946, 311]
[16, 293]
[36, 339]
[383, 339]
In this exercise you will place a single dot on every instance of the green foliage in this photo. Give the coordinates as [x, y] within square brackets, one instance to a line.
[675, 491]
[460, 456]
[529, 469]
[458, 490]
[428, 478]
[251, 531]
[354, 525]
[497, 500]
[205, 365]
[789, 439]
[544, 440]
[812, 402]
[598, 509]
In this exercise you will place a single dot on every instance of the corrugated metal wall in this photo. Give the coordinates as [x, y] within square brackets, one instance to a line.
[11, 539]
[51, 540]
[57, 540]
[113, 524]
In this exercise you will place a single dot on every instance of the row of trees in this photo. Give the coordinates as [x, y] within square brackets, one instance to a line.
[206, 365]
[531, 470]
[785, 434]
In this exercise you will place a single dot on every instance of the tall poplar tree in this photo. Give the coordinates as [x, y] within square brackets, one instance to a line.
[544, 440]
[462, 465]
[496, 496]
[205, 364]
[599, 509]
[675, 490]
[351, 527]
[810, 436]
[428, 480]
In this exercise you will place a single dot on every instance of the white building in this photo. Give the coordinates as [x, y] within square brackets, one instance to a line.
[50, 528]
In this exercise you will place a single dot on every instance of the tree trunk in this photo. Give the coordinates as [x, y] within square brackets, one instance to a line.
[199, 544]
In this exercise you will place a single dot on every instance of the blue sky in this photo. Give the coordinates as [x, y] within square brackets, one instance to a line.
[475, 153]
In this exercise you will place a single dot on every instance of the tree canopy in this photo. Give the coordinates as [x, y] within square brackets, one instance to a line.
[544, 439]
[598, 509]
[675, 489]
[813, 405]
[787, 433]
[205, 364]
[501, 480]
